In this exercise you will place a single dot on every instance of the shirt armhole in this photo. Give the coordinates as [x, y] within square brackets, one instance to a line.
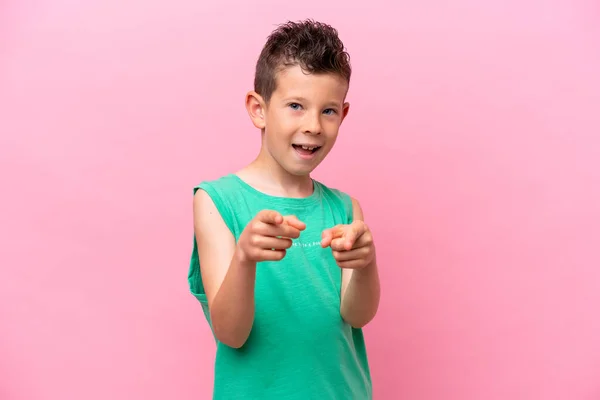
[194, 276]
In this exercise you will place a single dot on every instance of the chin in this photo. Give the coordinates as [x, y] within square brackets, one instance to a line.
[298, 168]
[300, 172]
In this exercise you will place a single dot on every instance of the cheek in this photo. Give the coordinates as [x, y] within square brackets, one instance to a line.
[332, 126]
[288, 125]
[332, 136]
[282, 125]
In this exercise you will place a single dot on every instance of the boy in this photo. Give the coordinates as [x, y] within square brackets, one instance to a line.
[284, 266]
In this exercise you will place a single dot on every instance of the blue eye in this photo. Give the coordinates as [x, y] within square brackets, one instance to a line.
[329, 111]
[295, 106]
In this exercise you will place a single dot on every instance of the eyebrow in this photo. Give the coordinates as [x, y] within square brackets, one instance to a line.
[302, 99]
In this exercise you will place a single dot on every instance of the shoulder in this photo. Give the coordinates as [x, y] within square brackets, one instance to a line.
[330, 192]
[221, 191]
[212, 202]
[219, 184]
[351, 203]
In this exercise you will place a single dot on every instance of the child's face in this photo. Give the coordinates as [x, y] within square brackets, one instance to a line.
[304, 110]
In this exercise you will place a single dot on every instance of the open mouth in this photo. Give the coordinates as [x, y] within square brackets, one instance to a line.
[306, 150]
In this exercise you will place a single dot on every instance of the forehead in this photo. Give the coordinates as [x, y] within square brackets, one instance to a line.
[293, 81]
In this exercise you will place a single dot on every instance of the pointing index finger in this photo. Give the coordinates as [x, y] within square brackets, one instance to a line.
[356, 230]
[329, 234]
[271, 217]
[293, 221]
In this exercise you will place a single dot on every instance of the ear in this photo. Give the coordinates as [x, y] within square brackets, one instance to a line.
[256, 108]
[345, 110]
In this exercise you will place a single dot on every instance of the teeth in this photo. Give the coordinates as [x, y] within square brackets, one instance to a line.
[308, 148]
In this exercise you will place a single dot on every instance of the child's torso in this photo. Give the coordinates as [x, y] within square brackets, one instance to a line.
[299, 346]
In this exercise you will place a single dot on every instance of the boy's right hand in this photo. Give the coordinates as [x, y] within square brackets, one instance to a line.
[267, 237]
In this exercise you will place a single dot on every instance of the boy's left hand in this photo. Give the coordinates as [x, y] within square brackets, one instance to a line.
[352, 245]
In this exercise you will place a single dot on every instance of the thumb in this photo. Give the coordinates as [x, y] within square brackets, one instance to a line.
[349, 239]
[329, 234]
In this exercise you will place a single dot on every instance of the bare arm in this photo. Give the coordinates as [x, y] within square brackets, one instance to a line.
[360, 287]
[228, 280]
[228, 269]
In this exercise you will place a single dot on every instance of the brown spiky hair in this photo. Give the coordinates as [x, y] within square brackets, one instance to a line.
[314, 46]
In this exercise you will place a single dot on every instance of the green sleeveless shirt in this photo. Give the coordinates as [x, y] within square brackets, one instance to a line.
[299, 346]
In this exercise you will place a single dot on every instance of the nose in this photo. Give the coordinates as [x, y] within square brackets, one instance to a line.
[312, 124]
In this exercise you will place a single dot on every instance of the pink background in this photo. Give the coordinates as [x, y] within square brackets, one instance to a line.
[472, 141]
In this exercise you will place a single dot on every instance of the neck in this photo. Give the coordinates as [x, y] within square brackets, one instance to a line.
[266, 175]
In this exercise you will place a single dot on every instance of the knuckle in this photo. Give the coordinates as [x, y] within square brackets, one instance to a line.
[254, 240]
[286, 230]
